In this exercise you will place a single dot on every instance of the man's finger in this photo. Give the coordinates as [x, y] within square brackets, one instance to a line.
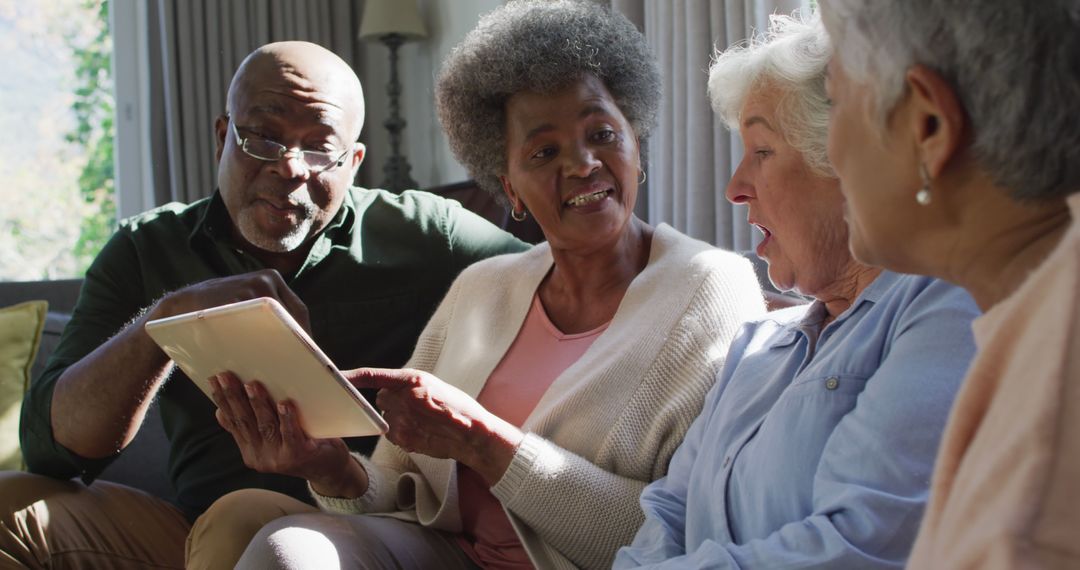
[224, 412]
[223, 420]
[266, 417]
[239, 407]
[290, 300]
[291, 432]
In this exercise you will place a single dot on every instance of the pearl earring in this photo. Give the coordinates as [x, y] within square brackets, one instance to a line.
[923, 196]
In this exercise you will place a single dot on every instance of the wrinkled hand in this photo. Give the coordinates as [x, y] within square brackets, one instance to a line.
[216, 292]
[429, 416]
[271, 439]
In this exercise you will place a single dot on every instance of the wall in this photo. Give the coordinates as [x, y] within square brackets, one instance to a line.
[418, 63]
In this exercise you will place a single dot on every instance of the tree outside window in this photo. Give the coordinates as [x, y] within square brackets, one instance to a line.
[56, 137]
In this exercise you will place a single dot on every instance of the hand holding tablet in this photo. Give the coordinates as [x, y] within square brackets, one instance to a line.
[259, 340]
[271, 440]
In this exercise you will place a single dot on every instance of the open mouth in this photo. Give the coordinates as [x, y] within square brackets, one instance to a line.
[760, 249]
[590, 198]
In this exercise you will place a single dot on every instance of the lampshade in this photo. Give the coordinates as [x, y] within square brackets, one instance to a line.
[382, 17]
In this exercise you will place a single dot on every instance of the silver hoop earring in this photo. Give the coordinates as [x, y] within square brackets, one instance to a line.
[518, 216]
[923, 196]
[644, 176]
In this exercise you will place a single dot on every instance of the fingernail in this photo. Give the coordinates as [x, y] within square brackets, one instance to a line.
[250, 390]
[215, 384]
[283, 409]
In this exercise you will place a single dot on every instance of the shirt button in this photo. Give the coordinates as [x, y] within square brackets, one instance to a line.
[727, 461]
[832, 383]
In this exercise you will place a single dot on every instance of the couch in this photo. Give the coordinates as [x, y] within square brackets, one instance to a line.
[144, 463]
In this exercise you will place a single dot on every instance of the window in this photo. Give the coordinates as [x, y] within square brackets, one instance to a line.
[56, 137]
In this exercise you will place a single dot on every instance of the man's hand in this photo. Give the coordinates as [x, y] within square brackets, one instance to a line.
[101, 400]
[429, 416]
[225, 290]
[271, 439]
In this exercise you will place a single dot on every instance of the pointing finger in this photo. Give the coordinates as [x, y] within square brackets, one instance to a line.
[382, 378]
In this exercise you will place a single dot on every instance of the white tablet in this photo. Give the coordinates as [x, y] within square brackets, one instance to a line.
[259, 340]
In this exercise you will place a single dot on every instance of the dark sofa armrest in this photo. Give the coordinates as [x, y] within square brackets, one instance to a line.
[144, 464]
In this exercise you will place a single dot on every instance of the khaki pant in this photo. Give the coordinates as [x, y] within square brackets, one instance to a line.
[296, 535]
[221, 534]
[48, 523]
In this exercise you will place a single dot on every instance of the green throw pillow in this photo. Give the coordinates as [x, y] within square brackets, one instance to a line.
[20, 332]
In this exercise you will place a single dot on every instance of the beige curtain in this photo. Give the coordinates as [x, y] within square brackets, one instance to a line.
[197, 45]
[691, 154]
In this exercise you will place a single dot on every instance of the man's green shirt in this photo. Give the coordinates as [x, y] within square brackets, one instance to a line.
[370, 282]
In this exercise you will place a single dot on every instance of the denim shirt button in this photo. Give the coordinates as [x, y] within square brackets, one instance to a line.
[727, 461]
[832, 383]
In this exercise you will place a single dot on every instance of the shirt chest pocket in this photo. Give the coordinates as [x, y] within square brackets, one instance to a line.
[786, 448]
[826, 385]
[807, 412]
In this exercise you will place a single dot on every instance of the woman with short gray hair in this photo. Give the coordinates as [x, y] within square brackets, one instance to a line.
[954, 132]
[815, 447]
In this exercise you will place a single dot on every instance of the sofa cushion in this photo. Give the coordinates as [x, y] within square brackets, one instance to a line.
[20, 333]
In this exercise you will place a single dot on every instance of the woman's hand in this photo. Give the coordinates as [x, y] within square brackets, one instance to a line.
[271, 440]
[429, 416]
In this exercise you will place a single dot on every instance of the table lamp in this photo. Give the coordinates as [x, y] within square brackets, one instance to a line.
[393, 22]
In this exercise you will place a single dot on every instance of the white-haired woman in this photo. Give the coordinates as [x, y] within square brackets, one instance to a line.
[549, 387]
[816, 444]
[954, 131]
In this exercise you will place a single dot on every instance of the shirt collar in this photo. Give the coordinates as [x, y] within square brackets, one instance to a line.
[872, 294]
[213, 221]
[338, 233]
[809, 324]
[341, 226]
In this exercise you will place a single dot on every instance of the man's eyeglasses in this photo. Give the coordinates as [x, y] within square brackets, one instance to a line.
[270, 151]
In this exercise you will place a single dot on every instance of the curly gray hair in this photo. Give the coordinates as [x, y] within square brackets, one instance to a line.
[540, 46]
[790, 56]
[1015, 67]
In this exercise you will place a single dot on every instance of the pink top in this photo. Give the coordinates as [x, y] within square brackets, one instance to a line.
[1006, 487]
[538, 355]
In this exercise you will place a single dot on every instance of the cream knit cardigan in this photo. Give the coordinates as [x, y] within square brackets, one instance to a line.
[609, 423]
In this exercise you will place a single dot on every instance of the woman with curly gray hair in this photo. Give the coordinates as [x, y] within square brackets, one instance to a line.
[550, 387]
[954, 133]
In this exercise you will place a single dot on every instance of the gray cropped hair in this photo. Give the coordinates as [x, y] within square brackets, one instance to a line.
[538, 46]
[1015, 67]
[790, 56]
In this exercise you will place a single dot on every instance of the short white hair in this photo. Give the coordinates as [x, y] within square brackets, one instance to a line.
[790, 56]
[1015, 66]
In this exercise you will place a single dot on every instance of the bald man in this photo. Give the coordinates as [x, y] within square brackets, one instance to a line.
[364, 268]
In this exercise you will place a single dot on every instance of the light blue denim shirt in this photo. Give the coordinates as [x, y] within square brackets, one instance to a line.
[816, 445]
